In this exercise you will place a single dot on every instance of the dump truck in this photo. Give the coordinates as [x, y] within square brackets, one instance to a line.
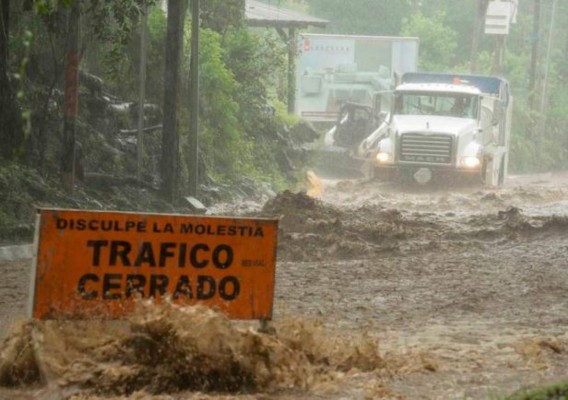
[445, 125]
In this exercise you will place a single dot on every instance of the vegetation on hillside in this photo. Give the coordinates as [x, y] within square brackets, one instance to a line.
[246, 139]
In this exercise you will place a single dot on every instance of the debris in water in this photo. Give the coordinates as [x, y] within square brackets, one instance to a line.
[314, 185]
[165, 348]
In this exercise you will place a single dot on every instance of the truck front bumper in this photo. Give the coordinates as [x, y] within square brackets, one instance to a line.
[427, 172]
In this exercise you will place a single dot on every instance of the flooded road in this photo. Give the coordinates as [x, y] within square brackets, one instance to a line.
[382, 291]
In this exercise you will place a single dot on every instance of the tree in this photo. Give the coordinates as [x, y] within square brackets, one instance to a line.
[222, 15]
[438, 42]
[71, 88]
[172, 94]
[363, 17]
[11, 135]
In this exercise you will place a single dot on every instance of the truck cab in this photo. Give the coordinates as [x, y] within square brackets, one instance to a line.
[441, 124]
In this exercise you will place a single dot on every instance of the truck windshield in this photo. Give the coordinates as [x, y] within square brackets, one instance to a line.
[451, 105]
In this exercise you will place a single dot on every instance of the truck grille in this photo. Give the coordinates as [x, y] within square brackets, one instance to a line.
[418, 148]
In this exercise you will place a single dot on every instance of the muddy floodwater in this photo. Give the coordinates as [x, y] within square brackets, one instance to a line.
[382, 291]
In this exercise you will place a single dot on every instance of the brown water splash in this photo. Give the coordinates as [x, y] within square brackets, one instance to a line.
[164, 349]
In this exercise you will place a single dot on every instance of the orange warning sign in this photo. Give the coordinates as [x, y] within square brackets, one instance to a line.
[94, 264]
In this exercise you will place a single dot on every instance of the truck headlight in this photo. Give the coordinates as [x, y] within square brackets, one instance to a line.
[383, 157]
[470, 162]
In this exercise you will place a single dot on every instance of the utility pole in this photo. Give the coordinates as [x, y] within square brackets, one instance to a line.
[477, 31]
[292, 50]
[172, 94]
[544, 95]
[71, 89]
[499, 56]
[535, 53]
[142, 90]
[193, 157]
[499, 16]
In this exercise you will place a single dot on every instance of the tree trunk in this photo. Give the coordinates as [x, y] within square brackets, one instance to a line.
[71, 87]
[4, 35]
[142, 91]
[172, 94]
[193, 156]
[10, 117]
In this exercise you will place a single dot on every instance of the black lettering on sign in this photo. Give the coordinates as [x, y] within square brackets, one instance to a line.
[202, 282]
[81, 224]
[186, 228]
[96, 245]
[129, 225]
[106, 226]
[81, 286]
[109, 283]
[158, 284]
[61, 223]
[165, 253]
[119, 249]
[181, 256]
[145, 255]
[229, 288]
[193, 255]
[223, 256]
[120, 253]
[253, 263]
[135, 284]
[183, 287]
[167, 228]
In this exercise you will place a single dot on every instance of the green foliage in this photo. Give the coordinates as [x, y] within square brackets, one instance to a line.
[256, 61]
[157, 28]
[238, 128]
[112, 24]
[157, 24]
[363, 17]
[553, 392]
[222, 136]
[437, 41]
[222, 15]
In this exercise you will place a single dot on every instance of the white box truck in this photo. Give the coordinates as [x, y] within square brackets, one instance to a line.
[333, 70]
